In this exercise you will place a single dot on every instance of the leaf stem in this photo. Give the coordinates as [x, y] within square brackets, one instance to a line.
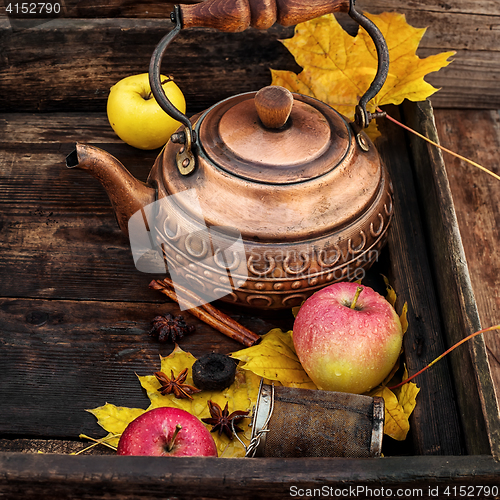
[356, 296]
[491, 328]
[442, 147]
[96, 442]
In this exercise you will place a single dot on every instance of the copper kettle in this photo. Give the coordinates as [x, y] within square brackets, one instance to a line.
[265, 197]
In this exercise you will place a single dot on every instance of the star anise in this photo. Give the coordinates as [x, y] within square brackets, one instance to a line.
[170, 328]
[176, 385]
[222, 421]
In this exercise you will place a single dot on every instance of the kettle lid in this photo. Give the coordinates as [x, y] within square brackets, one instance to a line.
[274, 136]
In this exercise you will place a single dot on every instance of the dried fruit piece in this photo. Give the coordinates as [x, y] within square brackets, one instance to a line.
[214, 372]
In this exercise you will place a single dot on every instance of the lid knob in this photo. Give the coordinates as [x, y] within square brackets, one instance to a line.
[273, 105]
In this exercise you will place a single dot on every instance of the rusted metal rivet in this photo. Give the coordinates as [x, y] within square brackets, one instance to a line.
[178, 138]
[185, 163]
[362, 142]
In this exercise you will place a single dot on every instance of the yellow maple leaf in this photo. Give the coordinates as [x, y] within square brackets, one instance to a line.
[399, 404]
[407, 395]
[391, 297]
[396, 424]
[241, 395]
[338, 68]
[176, 361]
[274, 359]
[115, 419]
[403, 319]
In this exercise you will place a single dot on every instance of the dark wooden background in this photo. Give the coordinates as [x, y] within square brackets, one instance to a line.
[101, 42]
[74, 312]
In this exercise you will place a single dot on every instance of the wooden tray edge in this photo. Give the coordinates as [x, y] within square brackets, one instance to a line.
[457, 303]
[30, 476]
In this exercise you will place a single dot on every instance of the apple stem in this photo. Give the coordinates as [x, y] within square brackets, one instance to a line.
[171, 443]
[356, 296]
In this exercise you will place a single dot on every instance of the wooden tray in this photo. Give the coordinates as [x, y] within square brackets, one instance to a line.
[74, 312]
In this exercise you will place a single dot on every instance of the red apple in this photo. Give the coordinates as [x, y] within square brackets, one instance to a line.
[167, 432]
[347, 349]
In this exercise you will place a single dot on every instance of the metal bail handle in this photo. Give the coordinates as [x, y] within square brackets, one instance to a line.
[362, 116]
[239, 17]
[185, 158]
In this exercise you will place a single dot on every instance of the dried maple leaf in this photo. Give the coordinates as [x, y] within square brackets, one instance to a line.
[396, 424]
[274, 359]
[407, 395]
[398, 408]
[242, 394]
[339, 68]
[391, 298]
[115, 419]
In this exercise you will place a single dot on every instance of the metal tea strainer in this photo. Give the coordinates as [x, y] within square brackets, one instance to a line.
[289, 422]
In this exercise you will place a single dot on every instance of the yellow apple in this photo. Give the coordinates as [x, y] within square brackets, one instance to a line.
[136, 117]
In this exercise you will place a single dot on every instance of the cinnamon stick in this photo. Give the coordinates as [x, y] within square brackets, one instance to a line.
[213, 311]
[211, 316]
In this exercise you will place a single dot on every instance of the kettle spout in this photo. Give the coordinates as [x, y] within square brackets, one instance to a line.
[126, 193]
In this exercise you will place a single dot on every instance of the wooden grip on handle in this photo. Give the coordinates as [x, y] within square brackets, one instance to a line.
[238, 15]
[292, 12]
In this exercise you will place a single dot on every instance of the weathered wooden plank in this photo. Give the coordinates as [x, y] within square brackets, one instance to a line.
[476, 196]
[59, 358]
[207, 65]
[477, 402]
[45, 446]
[51, 256]
[488, 7]
[34, 177]
[437, 430]
[92, 9]
[31, 476]
[210, 66]
[59, 235]
[448, 30]
[107, 8]
[59, 128]
[471, 81]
